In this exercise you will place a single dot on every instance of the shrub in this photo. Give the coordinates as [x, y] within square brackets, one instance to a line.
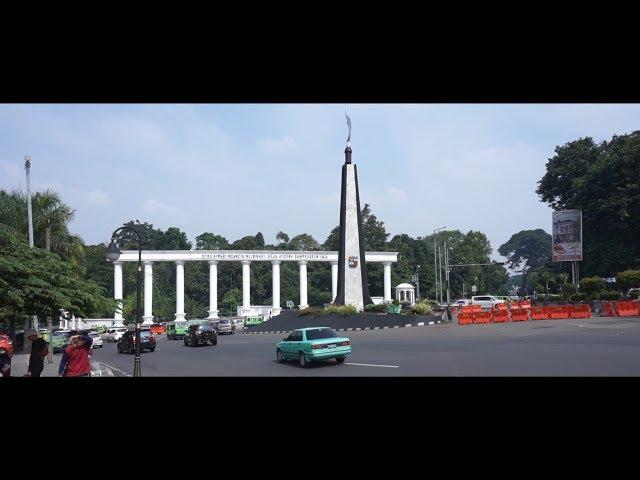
[578, 297]
[341, 309]
[405, 306]
[590, 286]
[422, 308]
[552, 297]
[610, 295]
[396, 301]
[380, 308]
[634, 294]
[314, 311]
[568, 289]
[628, 279]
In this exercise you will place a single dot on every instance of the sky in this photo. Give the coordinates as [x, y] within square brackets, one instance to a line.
[239, 169]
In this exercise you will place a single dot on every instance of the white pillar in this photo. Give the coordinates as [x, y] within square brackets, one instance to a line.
[334, 280]
[213, 289]
[180, 290]
[117, 292]
[303, 284]
[147, 319]
[275, 287]
[387, 281]
[246, 287]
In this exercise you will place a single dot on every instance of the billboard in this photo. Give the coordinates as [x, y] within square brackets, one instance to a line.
[567, 236]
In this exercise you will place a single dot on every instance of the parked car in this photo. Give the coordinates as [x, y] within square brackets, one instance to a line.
[127, 343]
[201, 334]
[226, 326]
[60, 340]
[461, 302]
[631, 291]
[97, 340]
[313, 344]
[157, 328]
[486, 301]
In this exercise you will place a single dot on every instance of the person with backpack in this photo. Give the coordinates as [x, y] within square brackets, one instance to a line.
[75, 360]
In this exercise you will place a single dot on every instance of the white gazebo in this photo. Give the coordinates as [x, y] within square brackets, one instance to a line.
[405, 292]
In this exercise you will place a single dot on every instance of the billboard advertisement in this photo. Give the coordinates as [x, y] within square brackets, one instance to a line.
[567, 236]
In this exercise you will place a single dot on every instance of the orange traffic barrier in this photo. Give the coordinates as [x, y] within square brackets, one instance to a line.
[500, 306]
[519, 314]
[482, 317]
[524, 303]
[559, 311]
[628, 309]
[465, 318]
[500, 316]
[540, 313]
[472, 308]
[580, 311]
[609, 309]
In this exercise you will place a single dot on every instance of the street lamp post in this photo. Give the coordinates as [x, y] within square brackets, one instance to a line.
[435, 261]
[418, 281]
[113, 253]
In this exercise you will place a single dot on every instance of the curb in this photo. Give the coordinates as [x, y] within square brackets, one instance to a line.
[407, 325]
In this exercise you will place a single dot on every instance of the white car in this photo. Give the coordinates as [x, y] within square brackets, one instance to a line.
[486, 301]
[97, 339]
[114, 334]
[461, 302]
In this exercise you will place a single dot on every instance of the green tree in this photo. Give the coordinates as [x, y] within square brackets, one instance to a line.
[628, 279]
[591, 286]
[602, 180]
[304, 241]
[282, 237]
[36, 282]
[51, 217]
[211, 241]
[529, 247]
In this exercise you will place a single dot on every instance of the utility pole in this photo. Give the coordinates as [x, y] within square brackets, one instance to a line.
[446, 270]
[435, 259]
[439, 274]
[27, 167]
[34, 319]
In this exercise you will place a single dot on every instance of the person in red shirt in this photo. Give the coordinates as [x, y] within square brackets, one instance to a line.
[75, 358]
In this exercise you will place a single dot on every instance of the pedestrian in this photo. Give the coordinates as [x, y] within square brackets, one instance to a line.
[75, 360]
[39, 350]
[6, 352]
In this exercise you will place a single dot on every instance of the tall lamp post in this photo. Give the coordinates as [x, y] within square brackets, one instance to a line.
[435, 258]
[416, 278]
[113, 253]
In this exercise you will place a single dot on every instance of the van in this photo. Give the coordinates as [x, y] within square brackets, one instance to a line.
[176, 329]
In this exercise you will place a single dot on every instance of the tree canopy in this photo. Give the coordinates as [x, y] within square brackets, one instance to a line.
[602, 180]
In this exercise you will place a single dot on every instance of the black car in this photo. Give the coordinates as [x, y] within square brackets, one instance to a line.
[127, 344]
[203, 334]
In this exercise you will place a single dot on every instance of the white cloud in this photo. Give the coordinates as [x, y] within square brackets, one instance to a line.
[396, 194]
[277, 146]
[154, 206]
[98, 197]
[11, 170]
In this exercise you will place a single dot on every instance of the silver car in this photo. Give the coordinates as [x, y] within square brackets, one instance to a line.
[226, 326]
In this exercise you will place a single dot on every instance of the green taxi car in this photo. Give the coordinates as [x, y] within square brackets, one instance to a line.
[313, 344]
[178, 328]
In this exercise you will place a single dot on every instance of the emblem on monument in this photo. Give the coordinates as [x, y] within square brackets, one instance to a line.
[353, 262]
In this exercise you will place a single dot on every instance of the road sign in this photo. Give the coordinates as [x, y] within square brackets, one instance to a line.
[473, 288]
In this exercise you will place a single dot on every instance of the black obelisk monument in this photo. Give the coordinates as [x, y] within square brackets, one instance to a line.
[353, 284]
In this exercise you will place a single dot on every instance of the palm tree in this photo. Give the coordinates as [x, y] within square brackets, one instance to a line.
[50, 222]
[545, 277]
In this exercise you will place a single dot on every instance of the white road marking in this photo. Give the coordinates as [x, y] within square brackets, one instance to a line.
[407, 325]
[371, 365]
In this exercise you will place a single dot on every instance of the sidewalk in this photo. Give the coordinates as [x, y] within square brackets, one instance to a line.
[20, 362]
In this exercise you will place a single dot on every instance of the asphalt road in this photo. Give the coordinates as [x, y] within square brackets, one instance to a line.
[589, 347]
